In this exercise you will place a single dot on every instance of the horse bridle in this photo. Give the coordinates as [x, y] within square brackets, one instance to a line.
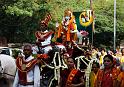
[1, 68]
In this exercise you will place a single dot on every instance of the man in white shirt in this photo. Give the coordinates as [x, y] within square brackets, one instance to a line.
[43, 41]
[43, 37]
[28, 72]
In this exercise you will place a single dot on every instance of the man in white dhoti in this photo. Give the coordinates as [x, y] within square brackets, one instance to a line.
[28, 72]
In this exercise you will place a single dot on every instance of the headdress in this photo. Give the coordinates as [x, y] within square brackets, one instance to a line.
[68, 12]
[46, 20]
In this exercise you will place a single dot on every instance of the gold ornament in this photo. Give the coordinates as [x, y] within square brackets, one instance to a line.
[23, 66]
[86, 18]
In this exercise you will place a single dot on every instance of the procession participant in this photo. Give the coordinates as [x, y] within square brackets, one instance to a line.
[43, 37]
[122, 56]
[117, 53]
[71, 77]
[120, 79]
[28, 72]
[88, 54]
[93, 74]
[68, 26]
[103, 53]
[108, 75]
[61, 43]
[94, 53]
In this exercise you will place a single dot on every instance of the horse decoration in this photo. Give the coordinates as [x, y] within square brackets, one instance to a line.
[53, 76]
[51, 65]
[78, 54]
[7, 70]
[84, 64]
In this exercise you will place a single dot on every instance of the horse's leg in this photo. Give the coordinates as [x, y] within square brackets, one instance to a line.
[4, 82]
[10, 82]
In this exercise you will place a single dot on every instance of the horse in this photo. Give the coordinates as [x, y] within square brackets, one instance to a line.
[82, 63]
[51, 69]
[7, 70]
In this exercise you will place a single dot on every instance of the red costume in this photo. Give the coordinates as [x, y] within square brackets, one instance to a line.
[107, 79]
[70, 77]
[23, 68]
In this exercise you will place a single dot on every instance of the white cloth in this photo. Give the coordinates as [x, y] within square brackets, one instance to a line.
[45, 49]
[44, 43]
[47, 41]
[61, 47]
[32, 76]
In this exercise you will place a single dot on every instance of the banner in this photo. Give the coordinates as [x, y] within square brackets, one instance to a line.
[84, 21]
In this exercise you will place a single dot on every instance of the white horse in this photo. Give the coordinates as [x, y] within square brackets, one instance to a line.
[7, 70]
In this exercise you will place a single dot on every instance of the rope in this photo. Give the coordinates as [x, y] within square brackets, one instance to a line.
[7, 74]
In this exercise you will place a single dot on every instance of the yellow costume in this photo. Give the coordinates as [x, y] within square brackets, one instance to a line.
[122, 59]
[93, 78]
[121, 79]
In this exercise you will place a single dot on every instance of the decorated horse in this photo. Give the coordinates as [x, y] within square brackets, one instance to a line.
[51, 68]
[43, 37]
[7, 70]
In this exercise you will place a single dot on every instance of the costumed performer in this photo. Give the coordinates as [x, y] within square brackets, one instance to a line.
[43, 37]
[71, 77]
[107, 76]
[28, 72]
[68, 26]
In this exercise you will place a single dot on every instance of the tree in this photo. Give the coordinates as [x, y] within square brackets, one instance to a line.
[20, 18]
[104, 22]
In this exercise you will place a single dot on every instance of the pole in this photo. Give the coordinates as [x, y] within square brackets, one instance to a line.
[93, 31]
[91, 5]
[91, 8]
[114, 25]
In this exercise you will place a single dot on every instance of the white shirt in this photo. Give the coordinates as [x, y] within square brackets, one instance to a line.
[47, 41]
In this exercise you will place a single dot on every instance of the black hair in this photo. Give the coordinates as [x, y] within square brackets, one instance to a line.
[109, 56]
[122, 50]
[97, 64]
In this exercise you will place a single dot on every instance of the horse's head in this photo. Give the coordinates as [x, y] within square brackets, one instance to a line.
[77, 52]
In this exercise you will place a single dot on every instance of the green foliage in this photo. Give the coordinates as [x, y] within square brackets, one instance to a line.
[19, 18]
[57, 7]
[23, 7]
[104, 22]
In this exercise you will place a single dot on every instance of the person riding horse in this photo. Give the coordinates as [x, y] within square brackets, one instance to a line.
[43, 37]
[45, 46]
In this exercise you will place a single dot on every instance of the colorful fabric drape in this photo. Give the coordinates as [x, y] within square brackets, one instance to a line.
[107, 79]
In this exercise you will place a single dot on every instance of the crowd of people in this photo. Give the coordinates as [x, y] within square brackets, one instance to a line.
[107, 71]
